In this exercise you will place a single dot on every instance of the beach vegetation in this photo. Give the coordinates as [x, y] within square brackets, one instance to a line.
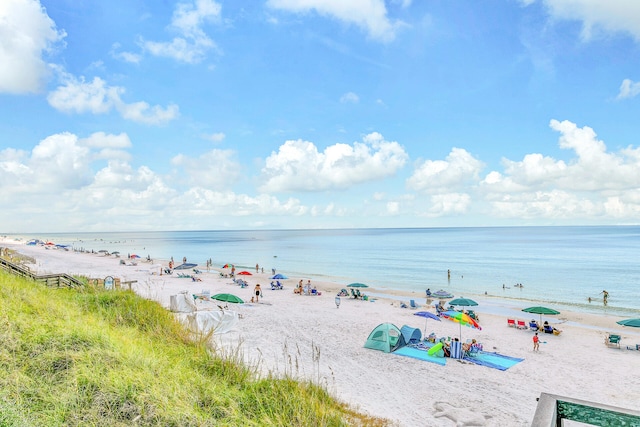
[94, 357]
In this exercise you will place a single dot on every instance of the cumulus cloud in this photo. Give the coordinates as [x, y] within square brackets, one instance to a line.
[58, 162]
[370, 15]
[595, 183]
[97, 97]
[598, 16]
[458, 170]
[214, 169]
[55, 184]
[26, 34]
[192, 43]
[628, 89]
[299, 166]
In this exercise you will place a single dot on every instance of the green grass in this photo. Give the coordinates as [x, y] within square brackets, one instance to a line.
[97, 358]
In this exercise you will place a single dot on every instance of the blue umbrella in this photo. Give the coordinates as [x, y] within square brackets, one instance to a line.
[279, 276]
[427, 315]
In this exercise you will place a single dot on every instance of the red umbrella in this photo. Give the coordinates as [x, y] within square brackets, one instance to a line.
[244, 273]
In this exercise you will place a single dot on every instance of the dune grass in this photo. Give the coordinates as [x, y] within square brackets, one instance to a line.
[95, 358]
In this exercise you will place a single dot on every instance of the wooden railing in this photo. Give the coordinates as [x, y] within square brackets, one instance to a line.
[53, 280]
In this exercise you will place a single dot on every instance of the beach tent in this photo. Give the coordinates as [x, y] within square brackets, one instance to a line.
[410, 334]
[385, 337]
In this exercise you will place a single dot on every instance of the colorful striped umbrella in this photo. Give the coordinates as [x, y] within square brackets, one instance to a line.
[461, 319]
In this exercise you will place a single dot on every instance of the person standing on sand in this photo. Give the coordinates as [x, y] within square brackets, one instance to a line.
[536, 342]
[258, 292]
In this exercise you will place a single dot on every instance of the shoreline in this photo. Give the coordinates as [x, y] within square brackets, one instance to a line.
[488, 304]
[308, 337]
[553, 271]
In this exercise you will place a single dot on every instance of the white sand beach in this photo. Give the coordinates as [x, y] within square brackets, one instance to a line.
[309, 337]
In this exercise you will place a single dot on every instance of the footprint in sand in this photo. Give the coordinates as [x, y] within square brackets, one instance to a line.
[463, 417]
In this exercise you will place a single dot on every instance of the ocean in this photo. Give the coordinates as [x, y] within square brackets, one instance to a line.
[560, 267]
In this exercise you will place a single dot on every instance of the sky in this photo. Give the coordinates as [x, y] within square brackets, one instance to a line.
[155, 115]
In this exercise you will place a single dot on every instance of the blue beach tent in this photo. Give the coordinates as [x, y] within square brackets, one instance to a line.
[411, 335]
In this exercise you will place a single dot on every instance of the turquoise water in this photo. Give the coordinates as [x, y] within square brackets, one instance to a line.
[558, 266]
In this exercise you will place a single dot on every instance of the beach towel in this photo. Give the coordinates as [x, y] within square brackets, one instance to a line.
[419, 353]
[493, 360]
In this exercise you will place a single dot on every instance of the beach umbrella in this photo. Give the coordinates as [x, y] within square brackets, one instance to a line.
[226, 266]
[441, 294]
[279, 276]
[634, 323]
[228, 298]
[461, 319]
[357, 285]
[541, 310]
[464, 302]
[427, 315]
[244, 273]
[134, 256]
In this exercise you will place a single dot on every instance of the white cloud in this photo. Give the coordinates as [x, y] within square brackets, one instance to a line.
[130, 57]
[628, 89]
[450, 203]
[596, 183]
[598, 16]
[214, 169]
[192, 43]
[299, 166]
[216, 137]
[442, 176]
[26, 33]
[349, 98]
[370, 15]
[103, 140]
[97, 97]
[58, 162]
[54, 185]
[141, 112]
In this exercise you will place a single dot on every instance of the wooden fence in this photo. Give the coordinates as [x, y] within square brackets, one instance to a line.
[53, 280]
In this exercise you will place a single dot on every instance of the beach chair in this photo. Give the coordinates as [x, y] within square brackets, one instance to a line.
[533, 325]
[413, 304]
[455, 350]
[511, 322]
[521, 325]
[612, 340]
[472, 351]
[473, 315]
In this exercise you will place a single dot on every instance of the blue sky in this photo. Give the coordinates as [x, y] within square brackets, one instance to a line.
[163, 115]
